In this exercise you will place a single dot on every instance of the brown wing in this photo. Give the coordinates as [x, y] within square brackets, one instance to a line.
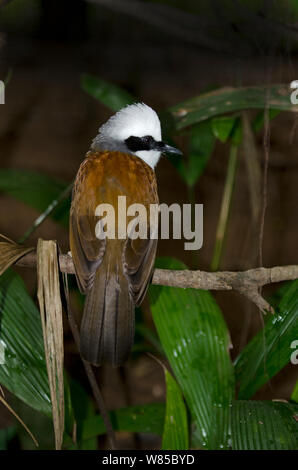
[87, 251]
[102, 177]
[139, 267]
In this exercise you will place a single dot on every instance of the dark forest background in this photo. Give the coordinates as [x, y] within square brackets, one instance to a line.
[163, 57]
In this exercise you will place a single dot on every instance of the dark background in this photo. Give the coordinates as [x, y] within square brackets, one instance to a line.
[48, 122]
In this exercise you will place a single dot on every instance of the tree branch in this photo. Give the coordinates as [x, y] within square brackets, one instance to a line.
[247, 283]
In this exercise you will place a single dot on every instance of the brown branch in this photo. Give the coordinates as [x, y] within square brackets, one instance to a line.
[246, 283]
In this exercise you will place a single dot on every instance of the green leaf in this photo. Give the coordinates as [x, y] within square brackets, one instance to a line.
[225, 208]
[228, 100]
[294, 396]
[36, 190]
[225, 127]
[6, 435]
[201, 144]
[258, 425]
[259, 120]
[107, 93]
[22, 363]
[257, 124]
[145, 419]
[277, 295]
[83, 410]
[196, 342]
[270, 350]
[222, 127]
[69, 411]
[24, 370]
[175, 433]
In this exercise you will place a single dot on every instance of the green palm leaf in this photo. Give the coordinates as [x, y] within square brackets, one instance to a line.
[195, 339]
[270, 350]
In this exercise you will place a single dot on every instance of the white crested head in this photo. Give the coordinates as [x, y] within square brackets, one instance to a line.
[134, 129]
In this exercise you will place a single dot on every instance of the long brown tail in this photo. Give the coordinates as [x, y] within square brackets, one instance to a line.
[108, 323]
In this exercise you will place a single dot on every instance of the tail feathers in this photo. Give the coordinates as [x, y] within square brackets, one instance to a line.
[107, 328]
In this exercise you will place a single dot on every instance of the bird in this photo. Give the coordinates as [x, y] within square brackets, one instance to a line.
[114, 273]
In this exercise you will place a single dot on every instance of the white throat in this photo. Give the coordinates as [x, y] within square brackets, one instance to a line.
[150, 157]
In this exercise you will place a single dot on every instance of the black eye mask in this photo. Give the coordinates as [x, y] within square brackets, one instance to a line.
[135, 144]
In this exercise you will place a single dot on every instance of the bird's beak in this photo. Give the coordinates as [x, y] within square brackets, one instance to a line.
[165, 148]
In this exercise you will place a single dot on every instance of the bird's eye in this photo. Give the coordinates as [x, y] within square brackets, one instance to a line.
[147, 139]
